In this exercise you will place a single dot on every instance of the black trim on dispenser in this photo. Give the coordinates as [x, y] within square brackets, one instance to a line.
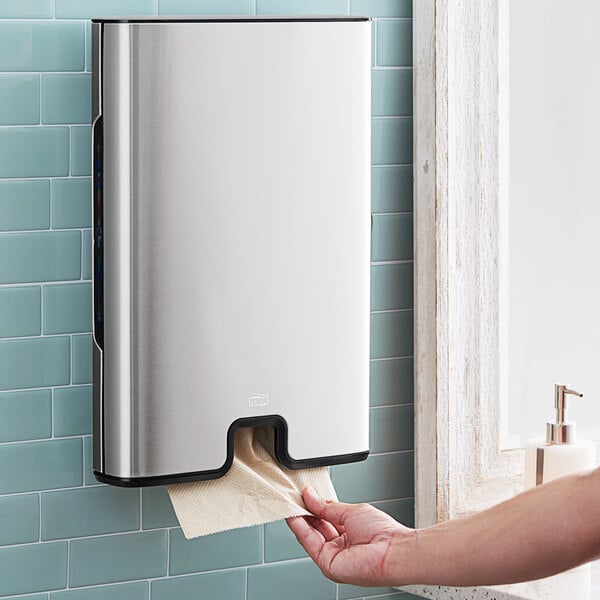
[280, 449]
[98, 231]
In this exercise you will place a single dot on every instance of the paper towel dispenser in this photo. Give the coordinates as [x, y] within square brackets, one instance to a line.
[231, 242]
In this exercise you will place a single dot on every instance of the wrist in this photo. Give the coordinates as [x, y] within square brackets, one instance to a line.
[401, 564]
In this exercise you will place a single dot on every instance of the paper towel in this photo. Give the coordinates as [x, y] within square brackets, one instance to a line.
[256, 489]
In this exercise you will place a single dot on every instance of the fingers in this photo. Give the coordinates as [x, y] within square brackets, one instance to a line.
[310, 539]
[335, 512]
[325, 528]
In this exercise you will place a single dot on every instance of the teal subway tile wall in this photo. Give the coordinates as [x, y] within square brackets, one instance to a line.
[64, 536]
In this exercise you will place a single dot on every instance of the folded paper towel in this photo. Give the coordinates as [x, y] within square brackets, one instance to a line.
[256, 489]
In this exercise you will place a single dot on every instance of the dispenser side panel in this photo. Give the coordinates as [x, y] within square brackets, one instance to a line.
[118, 396]
[250, 229]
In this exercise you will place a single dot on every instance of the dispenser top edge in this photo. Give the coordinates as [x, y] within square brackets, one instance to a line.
[232, 19]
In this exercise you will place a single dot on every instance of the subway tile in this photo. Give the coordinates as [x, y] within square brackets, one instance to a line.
[25, 415]
[226, 585]
[118, 558]
[392, 237]
[392, 334]
[402, 510]
[87, 9]
[24, 205]
[356, 592]
[381, 8]
[157, 509]
[68, 308]
[20, 311]
[235, 548]
[391, 286]
[73, 411]
[392, 189]
[392, 141]
[394, 43]
[88, 474]
[44, 256]
[40, 465]
[41, 46]
[391, 93]
[284, 580]
[86, 255]
[19, 99]
[34, 151]
[205, 7]
[281, 543]
[301, 7]
[89, 511]
[124, 591]
[33, 568]
[392, 381]
[66, 98]
[71, 203]
[19, 519]
[35, 362]
[26, 9]
[81, 156]
[391, 428]
[380, 477]
[82, 359]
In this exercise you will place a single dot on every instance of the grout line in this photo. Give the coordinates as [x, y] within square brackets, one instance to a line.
[35, 389]
[383, 263]
[391, 405]
[39, 517]
[141, 510]
[70, 360]
[48, 439]
[41, 287]
[40, 80]
[68, 563]
[168, 552]
[393, 213]
[390, 453]
[52, 414]
[391, 310]
[262, 544]
[384, 358]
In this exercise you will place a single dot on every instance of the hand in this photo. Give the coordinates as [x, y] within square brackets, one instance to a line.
[351, 543]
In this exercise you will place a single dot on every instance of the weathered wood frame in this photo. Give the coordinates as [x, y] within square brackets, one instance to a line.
[460, 467]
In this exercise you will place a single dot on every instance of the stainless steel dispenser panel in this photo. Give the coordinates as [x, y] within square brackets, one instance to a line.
[236, 192]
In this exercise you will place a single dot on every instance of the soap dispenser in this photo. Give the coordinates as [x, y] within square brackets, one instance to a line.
[561, 453]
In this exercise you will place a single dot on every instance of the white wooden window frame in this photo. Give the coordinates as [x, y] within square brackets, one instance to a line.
[460, 467]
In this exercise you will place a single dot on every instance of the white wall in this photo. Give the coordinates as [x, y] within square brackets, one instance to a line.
[553, 217]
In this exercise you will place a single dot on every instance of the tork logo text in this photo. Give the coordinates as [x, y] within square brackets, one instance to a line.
[257, 400]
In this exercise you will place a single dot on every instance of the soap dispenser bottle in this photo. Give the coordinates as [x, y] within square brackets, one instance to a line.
[561, 453]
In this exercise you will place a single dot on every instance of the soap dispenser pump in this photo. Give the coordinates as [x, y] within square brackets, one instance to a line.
[561, 453]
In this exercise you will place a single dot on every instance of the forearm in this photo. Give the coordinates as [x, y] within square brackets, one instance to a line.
[540, 532]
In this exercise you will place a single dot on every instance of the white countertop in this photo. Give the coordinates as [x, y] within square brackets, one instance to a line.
[582, 583]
